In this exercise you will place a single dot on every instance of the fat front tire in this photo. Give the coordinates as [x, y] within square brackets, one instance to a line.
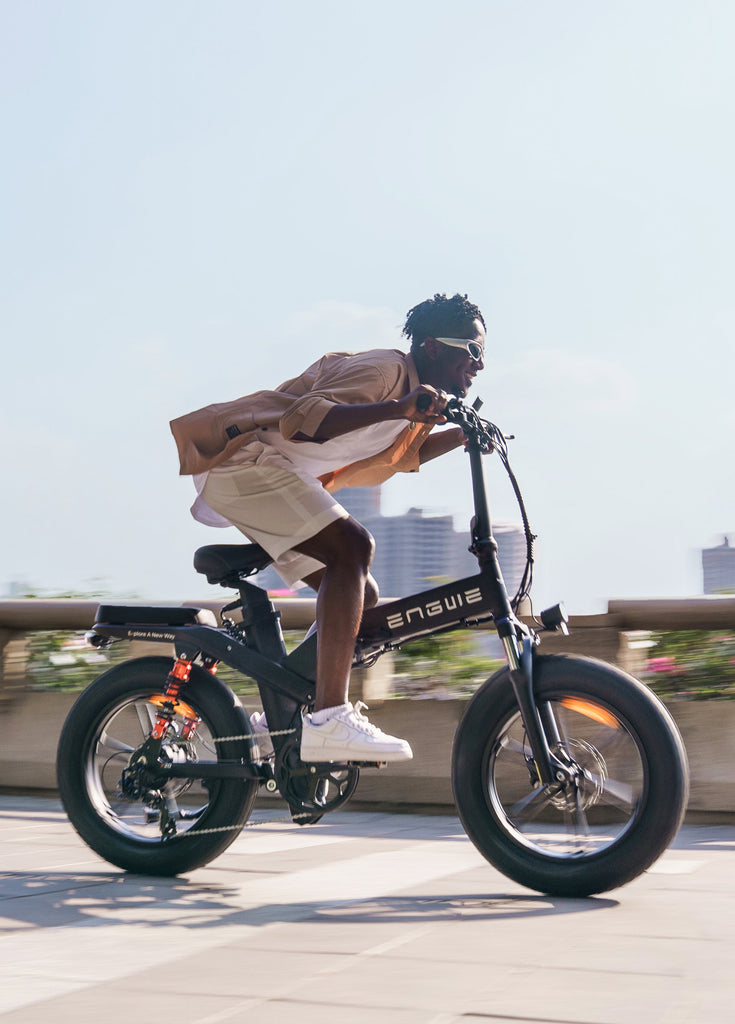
[624, 791]
[185, 823]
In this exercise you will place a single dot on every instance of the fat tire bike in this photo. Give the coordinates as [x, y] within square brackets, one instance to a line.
[569, 775]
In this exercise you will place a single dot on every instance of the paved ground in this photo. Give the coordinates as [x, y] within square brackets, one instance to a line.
[362, 918]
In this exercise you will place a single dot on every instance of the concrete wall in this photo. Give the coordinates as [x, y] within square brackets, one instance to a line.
[31, 722]
[31, 728]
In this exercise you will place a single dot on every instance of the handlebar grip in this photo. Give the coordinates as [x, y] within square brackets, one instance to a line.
[423, 402]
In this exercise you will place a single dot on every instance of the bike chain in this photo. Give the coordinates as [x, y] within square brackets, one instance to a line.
[248, 824]
[253, 735]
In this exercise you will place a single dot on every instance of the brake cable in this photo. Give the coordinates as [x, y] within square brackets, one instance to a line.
[492, 439]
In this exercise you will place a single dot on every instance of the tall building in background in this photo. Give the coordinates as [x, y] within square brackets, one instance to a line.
[718, 569]
[414, 549]
[361, 502]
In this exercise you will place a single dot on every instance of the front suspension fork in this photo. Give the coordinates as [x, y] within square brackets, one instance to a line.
[538, 722]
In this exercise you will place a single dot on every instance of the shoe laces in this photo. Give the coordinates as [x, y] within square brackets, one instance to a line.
[359, 720]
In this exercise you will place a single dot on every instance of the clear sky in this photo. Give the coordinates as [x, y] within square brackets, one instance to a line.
[200, 199]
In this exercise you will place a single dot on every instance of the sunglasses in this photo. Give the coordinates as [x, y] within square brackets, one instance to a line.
[474, 348]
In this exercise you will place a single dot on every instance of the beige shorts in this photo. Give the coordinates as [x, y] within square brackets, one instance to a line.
[273, 508]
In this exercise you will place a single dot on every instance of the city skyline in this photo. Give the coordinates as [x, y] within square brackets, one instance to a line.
[718, 569]
[415, 549]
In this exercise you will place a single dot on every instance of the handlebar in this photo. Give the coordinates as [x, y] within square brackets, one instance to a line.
[486, 434]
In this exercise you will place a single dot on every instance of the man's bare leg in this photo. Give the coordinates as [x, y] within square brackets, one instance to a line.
[372, 592]
[335, 731]
[346, 549]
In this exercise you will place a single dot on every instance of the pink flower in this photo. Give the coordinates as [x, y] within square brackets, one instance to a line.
[666, 663]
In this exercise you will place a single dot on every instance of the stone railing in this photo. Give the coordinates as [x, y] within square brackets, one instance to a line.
[19, 617]
[32, 721]
[612, 636]
[606, 636]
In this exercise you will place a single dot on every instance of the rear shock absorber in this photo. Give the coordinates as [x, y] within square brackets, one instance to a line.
[178, 675]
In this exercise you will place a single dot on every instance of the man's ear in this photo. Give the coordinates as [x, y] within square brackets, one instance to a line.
[431, 347]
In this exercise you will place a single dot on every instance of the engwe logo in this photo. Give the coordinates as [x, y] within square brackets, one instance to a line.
[430, 610]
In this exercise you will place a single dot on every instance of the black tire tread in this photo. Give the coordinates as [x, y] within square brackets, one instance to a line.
[665, 798]
[232, 800]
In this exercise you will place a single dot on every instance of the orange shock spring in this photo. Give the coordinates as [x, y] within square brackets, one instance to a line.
[179, 674]
[190, 724]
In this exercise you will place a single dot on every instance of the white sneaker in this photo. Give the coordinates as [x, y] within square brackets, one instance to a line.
[349, 736]
[260, 728]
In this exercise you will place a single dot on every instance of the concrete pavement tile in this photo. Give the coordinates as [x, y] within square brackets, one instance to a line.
[306, 1011]
[242, 971]
[556, 995]
[370, 925]
[24, 996]
[9, 924]
[99, 1004]
[294, 857]
[388, 982]
[38, 859]
[329, 936]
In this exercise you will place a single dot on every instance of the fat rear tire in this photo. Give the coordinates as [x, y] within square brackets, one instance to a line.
[104, 726]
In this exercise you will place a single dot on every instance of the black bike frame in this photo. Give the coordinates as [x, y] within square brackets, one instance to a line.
[287, 681]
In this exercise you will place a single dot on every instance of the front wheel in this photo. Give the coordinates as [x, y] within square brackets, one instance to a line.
[622, 787]
[149, 826]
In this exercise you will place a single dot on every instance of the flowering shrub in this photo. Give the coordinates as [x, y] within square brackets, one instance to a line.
[63, 660]
[692, 665]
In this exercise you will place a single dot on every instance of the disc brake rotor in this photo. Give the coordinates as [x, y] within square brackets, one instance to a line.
[585, 781]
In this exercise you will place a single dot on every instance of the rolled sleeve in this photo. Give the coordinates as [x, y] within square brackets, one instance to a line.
[348, 383]
[305, 416]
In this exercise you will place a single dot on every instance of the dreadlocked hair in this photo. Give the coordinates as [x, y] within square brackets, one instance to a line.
[440, 317]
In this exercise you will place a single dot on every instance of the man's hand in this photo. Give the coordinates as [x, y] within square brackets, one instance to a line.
[429, 413]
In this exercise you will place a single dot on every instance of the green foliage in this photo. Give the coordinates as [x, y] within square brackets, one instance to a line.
[692, 665]
[450, 662]
[62, 660]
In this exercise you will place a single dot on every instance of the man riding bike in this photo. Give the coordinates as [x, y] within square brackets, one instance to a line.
[269, 464]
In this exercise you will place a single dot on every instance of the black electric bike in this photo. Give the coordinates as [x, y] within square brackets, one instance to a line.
[569, 776]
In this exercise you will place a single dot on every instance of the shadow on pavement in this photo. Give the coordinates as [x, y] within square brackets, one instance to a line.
[51, 899]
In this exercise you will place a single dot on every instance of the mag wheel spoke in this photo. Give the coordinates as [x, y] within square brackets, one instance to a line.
[107, 742]
[531, 805]
[136, 805]
[145, 713]
[619, 794]
[596, 802]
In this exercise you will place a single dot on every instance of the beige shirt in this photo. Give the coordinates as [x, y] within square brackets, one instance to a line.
[210, 436]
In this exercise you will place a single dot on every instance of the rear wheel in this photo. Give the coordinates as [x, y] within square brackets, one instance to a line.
[622, 786]
[128, 816]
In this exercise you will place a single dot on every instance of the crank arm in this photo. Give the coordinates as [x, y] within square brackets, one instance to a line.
[208, 770]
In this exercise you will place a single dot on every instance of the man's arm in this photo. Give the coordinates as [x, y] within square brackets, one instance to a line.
[440, 443]
[341, 419]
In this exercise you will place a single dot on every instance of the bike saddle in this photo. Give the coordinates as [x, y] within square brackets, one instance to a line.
[226, 563]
